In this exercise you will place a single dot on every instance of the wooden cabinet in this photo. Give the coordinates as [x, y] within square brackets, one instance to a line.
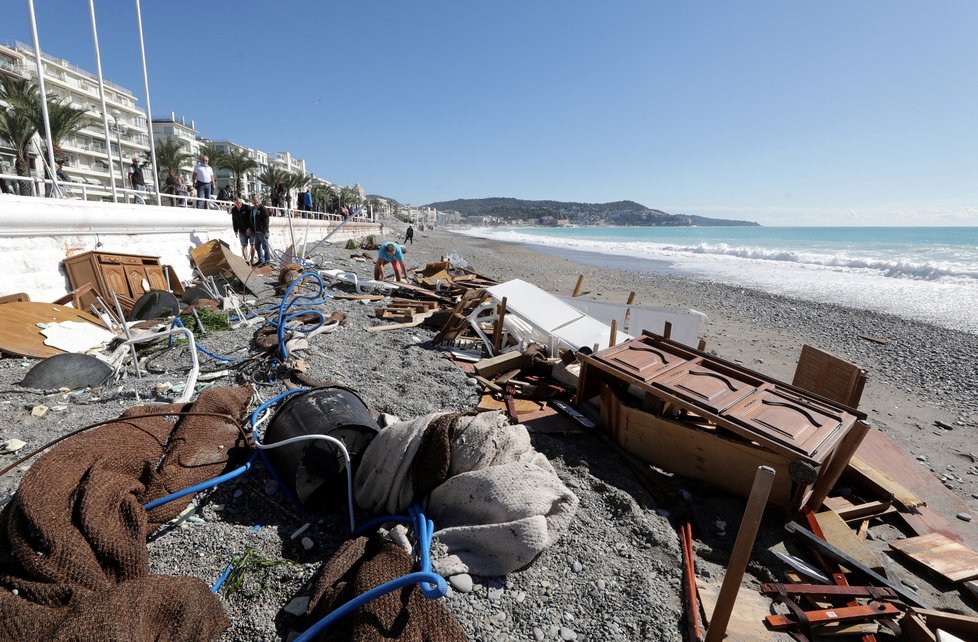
[720, 407]
[127, 275]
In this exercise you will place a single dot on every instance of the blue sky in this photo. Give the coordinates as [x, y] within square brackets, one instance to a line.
[832, 112]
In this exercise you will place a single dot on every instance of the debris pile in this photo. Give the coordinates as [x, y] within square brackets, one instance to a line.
[446, 494]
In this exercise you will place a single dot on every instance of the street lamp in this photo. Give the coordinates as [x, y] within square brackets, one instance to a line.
[122, 162]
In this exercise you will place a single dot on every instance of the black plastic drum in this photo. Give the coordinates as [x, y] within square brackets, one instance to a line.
[315, 469]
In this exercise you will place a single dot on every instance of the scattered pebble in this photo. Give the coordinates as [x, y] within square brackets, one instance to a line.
[567, 635]
[271, 487]
[38, 411]
[297, 606]
[964, 517]
[307, 543]
[496, 594]
[12, 446]
[461, 582]
[299, 531]
[577, 567]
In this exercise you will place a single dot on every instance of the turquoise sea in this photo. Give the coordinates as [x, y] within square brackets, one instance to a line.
[922, 273]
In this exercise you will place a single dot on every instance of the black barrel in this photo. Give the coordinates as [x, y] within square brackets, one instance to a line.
[314, 469]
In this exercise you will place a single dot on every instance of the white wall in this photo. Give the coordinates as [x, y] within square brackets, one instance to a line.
[36, 234]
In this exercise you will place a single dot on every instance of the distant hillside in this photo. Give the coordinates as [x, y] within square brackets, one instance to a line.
[549, 212]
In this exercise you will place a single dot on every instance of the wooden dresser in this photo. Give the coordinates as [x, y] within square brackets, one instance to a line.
[128, 275]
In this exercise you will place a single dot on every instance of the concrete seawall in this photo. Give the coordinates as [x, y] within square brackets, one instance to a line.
[36, 234]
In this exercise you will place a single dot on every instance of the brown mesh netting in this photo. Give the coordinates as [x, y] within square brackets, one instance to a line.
[73, 540]
[405, 614]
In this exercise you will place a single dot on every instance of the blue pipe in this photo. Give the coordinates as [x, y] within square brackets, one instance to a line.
[210, 483]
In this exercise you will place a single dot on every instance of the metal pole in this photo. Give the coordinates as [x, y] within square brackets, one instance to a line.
[122, 158]
[44, 95]
[101, 93]
[149, 108]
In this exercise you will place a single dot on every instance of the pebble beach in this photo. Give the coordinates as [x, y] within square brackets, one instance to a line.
[615, 574]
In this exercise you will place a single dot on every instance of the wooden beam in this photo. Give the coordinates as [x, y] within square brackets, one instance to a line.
[497, 329]
[841, 557]
[580, 284]
[763, 481]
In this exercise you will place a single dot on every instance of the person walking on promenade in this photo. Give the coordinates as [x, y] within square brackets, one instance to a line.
[278, 195]
[409, 235]
[203, 181]
[307, 204]
[136, 180]
[241, 223]
[259, 223]
[392, 253]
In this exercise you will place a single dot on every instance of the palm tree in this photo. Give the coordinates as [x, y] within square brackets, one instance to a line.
[214, 156]
[295, 181]
[16, 126]
[63, 119]
[271, 177]
[239, 163]
[326, 195]
[170, 156]
[349, 196]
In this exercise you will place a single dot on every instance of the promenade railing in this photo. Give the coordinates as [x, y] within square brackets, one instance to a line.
[86, 191]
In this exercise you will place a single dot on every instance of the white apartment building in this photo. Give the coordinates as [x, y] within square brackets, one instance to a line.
[88, 160]
[169, 128]
[249, 180]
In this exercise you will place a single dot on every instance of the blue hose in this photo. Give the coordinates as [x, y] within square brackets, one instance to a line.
[432, 585]
[179, 323]
[286, 305]
[210, 483]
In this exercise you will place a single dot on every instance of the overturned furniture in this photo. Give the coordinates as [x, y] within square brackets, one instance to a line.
[531, 315]
[129, 276]
[697, 415]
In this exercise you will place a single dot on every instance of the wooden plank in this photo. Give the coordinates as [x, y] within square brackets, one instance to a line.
[15, 298]
[493, 366]
[359, 297]
[949, 559]
[914, 629]
[747, 622]
[886, 456]
[837, 533]
[19, 333]
[418, 318]
[962, 625]
[840, 557]
[838, 614]
[885, 483]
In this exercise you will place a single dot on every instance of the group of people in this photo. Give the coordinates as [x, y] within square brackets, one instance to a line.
[250, 224]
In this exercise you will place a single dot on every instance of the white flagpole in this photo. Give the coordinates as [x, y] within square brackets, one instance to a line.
[101, 93]
[44, 95]
[149, 109]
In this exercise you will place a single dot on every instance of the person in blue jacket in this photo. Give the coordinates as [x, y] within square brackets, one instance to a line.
[392, 253]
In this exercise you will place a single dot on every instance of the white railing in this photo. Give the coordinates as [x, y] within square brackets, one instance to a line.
[86, 191]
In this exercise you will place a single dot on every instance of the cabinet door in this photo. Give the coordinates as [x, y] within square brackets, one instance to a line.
[115, 278]
[640, 360]
[803, 426]
[156, 277]
[137, 280]
[708, 387]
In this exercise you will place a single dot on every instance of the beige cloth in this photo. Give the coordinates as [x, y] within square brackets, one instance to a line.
[501, 505]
